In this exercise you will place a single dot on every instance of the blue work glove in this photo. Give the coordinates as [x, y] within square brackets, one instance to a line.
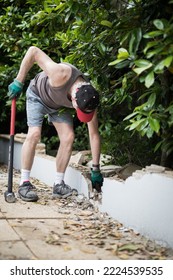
[96, 179]
[15, 89]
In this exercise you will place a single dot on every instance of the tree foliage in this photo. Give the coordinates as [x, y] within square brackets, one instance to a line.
[125, 48]
[146, 55]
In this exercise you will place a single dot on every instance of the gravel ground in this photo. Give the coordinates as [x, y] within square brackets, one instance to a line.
[91, 231]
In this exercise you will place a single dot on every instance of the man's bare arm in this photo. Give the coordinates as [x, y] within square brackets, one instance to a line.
[94, 139]
[58, 73]
[33, 55]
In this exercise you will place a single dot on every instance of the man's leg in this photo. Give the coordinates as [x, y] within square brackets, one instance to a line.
[28, 148]
[66, 136]
[27, 190]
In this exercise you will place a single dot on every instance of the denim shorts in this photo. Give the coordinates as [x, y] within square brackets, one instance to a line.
[37, 110]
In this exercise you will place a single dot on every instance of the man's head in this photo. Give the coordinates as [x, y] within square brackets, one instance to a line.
[87, 100]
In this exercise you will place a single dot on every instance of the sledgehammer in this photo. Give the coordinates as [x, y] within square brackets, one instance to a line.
[9, 194]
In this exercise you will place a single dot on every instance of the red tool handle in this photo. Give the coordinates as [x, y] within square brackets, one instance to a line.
[13, 116]
[11, 146]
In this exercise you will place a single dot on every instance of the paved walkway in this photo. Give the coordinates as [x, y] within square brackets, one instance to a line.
[63, 229]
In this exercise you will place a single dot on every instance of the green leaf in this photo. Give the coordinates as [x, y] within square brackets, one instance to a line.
[152, 34]
[167, 145]
[144, 131]
[138, 70]
[116, 61]
[135, 38]
[164, 63]
[141, 107]
[150, 45]
[143, 95]
[168, 61]
[170, 109]
[143, 125]
[130, 116]
[158, 24]
[135, 124]
[156, 51]
[124, 38]
[106, 23]
[142, 63]
[124, 82]
[158, 146]
[154, 124]
[142, 79]
[151, 100]
[101, 47]
[122, 54]
[122, 64]
[149, 80]
[149, 132]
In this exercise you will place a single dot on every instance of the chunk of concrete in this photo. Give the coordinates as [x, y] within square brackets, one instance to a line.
[128, 170]
[153, 168]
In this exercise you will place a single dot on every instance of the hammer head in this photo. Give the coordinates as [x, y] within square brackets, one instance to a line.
[9, 197]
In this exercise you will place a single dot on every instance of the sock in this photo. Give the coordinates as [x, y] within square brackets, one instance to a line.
[25, 176]
[59, 178]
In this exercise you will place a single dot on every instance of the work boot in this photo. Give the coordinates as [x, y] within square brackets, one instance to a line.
[27, 192]
[62, 190]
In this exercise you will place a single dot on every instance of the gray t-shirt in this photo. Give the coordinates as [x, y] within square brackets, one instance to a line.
[55, 97]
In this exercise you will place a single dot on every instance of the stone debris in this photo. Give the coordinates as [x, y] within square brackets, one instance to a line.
[40, 148]
[20, 137]
[81, 161]
[138, 174]
[128, 170]
[153, 168]
[104, 160]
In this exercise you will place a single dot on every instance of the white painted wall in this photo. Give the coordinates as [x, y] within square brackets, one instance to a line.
[144, 204]
[44, 168]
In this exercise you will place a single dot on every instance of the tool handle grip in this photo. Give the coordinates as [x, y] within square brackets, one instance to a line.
[13, 116]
